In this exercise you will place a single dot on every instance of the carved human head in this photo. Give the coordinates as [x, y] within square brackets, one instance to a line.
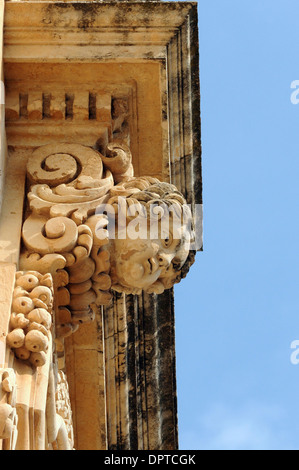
[150, 246]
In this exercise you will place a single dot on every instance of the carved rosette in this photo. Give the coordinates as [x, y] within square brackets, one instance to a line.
[8, 414]
[31, 317]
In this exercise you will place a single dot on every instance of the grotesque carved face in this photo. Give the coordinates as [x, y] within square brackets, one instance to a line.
[149, 264]
[151, 258]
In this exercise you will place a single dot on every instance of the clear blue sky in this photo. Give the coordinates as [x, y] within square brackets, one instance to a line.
[237, 312]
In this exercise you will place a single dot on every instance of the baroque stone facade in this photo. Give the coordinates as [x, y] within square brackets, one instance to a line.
[100, 126]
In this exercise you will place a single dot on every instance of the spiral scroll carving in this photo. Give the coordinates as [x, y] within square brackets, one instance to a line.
[71, 179]
[57, 235]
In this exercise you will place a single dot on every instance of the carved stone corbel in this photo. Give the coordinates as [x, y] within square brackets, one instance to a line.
[70, 182]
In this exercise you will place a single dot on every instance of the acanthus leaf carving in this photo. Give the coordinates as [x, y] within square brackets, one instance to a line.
[71, 181]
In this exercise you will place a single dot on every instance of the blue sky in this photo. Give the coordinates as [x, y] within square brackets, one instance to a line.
[237, 312]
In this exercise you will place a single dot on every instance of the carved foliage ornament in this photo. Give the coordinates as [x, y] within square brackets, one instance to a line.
[31, 317]
[31, 339]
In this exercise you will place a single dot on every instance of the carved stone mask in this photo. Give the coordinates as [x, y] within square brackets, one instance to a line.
[149, 264]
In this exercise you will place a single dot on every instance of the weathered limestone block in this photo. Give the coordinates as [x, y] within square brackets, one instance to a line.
[57, 106]
[35, 106]
[81, 106]
[12, 110]
[102, 111]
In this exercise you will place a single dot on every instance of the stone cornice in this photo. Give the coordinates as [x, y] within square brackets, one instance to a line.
[139, 30]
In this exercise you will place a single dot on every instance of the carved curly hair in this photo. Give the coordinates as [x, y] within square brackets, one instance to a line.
[148, 191]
